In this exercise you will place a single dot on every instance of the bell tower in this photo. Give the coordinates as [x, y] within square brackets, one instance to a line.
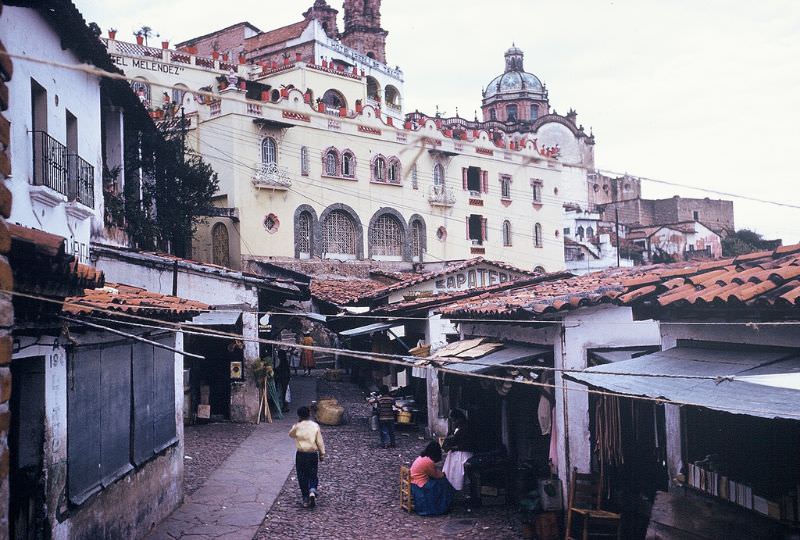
[362, 28]
[326, 16]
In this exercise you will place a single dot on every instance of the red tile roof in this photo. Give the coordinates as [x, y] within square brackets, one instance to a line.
[128, 300]
[273, 37]
[352, 290]
[762, 280]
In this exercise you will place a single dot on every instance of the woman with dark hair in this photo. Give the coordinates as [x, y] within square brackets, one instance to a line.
[460, 446]
[432, 493]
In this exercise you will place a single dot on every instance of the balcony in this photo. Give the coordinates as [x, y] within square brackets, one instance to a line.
[49, 162]
[64, 173]
[441, 196]
[270, 176]
[80, 182]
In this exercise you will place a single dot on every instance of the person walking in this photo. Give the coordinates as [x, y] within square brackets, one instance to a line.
[386, 417]
[310, 451]
[282, 375]
[307, 361]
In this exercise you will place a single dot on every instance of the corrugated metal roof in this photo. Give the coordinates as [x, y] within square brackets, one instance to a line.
[368, 329]
[511, 354]
[218, 318]
[729, 392]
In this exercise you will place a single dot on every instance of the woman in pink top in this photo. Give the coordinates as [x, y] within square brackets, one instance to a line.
[432, 493]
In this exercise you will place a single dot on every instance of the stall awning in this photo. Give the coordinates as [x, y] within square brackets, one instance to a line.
[510, 354]
[218, 318]
[607, 357]
[733, 385]
[368, 329]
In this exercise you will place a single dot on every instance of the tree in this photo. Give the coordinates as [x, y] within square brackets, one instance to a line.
[167, 192]
[746, 241]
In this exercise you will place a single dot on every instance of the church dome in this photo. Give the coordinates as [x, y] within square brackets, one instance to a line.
[515, 79]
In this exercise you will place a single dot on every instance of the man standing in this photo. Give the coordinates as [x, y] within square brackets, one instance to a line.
[310, 450]
[386, 417]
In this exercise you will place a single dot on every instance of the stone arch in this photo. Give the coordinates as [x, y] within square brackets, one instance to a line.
[359, 228]
[373, 88]
[405, 247]
[334, 99]
[392, 97]
[220, 245]
[314, 232]
[414, 221]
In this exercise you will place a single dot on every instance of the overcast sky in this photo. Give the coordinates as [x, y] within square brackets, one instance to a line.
[701, 93]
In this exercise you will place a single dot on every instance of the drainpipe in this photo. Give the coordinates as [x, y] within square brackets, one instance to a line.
[175, 278]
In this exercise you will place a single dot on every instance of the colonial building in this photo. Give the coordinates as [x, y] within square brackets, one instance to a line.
[317, 160]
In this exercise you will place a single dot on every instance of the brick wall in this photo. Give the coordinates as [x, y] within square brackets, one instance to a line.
[6, 309]
[230, 40]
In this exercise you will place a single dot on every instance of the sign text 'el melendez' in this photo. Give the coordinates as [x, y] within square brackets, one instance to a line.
[147, 65]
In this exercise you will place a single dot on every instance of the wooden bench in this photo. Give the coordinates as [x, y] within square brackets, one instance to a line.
[406, 497]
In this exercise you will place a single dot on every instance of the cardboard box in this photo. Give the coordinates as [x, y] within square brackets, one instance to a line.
[204, 411]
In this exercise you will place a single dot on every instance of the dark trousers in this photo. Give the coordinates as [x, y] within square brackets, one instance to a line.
[387, 431]
[306, 466]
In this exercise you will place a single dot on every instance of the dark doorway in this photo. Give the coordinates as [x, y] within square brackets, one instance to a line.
[209, 378]
[26, 446]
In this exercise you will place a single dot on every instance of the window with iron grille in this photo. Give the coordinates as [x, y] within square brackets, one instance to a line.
[220, 245]
[416, 240]
[379, 170]
[537, 235]
[386, 236]
[339, 234]
[331, 163]
[304, 161]
[348, 165]
[269, 151]
[506, 233]
[438, 175]
[505, 187]
[142, 90]
[178, 92]
[304, 233]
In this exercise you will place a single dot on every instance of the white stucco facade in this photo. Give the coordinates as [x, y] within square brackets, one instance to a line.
[62, 92]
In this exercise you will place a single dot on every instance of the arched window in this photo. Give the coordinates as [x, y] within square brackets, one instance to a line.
[394, 172]
[220, 245]
[373, 88]
[438, 175]
[331, 163]
[348, 164]
[178, 92]
[386, 236]
[589, 232]
[334, 100]
[506, 233]
[537, 235]
[416, 240]
[339, 234]
[269, 151]
[379, 169]
[304, 160]
[141, 88]
[392, 97]
[579, 232]
[304, 228]
[539, 270]
[511, 113]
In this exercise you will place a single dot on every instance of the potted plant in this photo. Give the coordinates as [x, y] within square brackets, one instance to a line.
[307, 96]
[215, 50]
[407, 124]
[165, 44]
[242, 85]
[359, 106]
[142, 34]
[320, 105]
[389, 121]
[225, 57]
[325, 63]
[342, 111]
[265, 95]
[284, 92]
[112, 33]
[139, 38]
[298, 56]
[242, 59]
[215, 55]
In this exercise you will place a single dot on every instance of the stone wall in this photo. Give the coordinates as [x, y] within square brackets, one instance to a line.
[229, 40]
[714, 213]
[6, 308]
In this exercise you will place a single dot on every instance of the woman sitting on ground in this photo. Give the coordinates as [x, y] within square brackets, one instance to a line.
[432, 493]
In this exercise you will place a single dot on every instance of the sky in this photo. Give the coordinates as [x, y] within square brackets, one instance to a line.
[705, 94]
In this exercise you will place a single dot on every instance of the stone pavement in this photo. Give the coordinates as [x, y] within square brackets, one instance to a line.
[232, 503]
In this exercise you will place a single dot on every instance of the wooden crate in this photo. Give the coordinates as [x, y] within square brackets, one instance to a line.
[406, 497]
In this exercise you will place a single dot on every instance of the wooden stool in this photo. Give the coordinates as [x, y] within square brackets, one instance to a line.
[406, 497]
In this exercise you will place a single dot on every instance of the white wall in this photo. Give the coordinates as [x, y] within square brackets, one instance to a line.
[26, 33]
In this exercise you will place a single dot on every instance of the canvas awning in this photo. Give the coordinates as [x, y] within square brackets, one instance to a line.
[509, 354]
[729, 380]
[218, 318]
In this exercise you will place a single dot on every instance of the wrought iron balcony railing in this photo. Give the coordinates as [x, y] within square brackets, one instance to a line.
[80, 183]
[270, 176]
[441, 196]
[49, 162]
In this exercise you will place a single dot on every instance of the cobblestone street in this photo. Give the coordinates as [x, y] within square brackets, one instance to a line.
[206, 446]
[358, 495]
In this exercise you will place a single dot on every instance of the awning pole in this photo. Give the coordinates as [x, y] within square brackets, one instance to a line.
[132, 336]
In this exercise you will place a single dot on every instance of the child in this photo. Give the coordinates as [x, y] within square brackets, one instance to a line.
[310, 450]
